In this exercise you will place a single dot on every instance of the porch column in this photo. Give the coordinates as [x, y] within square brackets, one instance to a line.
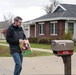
[28, 30]
[74, 37]
[66, 26]
[35, 29]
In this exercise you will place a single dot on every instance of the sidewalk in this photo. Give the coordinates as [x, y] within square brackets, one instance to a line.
[36, 49]
[2, 40]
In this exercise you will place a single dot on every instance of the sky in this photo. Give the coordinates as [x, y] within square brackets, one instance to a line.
[27, 9]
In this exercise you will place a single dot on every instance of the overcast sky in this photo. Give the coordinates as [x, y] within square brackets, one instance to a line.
[27, 9]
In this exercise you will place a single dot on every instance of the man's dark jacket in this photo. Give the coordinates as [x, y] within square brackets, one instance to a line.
[14, 33]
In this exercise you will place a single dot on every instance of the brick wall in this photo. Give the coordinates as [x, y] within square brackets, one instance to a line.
[61, 28]
[47, 30]
[32, 30]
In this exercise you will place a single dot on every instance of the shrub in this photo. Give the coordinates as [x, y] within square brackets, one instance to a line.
[44, 40]
[67, 36]
[74, 40]
[33, 39]
[40, 40]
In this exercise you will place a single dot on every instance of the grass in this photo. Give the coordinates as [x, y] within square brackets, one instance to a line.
[35, 45]
[43, 46]
[75, 48]
[38, 53]
[3, 43]
[4, 52]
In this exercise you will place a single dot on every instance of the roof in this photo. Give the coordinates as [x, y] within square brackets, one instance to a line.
[4, 25]
[62, 11]
[28, 22]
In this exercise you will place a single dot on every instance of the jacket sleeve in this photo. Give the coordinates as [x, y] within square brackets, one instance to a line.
[9, 37]
[24, 36]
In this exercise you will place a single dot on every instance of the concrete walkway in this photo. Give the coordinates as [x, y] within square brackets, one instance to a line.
[36, 49]
[2, 40]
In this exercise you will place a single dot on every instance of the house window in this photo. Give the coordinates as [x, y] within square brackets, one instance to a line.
[53, 28]
[71, 27]
[41, 28]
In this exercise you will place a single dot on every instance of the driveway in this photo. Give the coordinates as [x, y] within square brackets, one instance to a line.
[44, 65]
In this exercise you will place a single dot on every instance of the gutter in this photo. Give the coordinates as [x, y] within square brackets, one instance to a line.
[52, 19]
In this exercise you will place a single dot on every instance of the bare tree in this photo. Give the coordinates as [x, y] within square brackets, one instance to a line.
[8, 17]
[49, 8]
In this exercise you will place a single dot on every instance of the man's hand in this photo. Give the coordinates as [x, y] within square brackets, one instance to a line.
[21, 41]
[26, 41]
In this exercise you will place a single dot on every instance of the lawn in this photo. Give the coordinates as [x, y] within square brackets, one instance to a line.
[4, 52]
[43, 46]
[35, 45]
[74, 48]
[3, 42]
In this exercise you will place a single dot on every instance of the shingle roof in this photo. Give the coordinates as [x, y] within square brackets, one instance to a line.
[69, 12]
[4, 25]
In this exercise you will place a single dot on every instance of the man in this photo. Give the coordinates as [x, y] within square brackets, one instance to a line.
[14, 37]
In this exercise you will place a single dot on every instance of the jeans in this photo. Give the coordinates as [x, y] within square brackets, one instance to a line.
[18, 58]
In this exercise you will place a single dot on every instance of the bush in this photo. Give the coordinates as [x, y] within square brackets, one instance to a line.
[74, 40]
[44, 40]
[40, 40]
[67, 36]
[33, 39]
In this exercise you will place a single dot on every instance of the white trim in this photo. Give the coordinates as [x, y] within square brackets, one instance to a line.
[35, 29]
[41, 34]
[58, 18]
[74, 36]
[54, 27]
[71, 21]
[57, 7]
[28, 31]
[41, 23]
[27, 23]
[50, 19]
[53, 34]
[42, 27]
[53, 21]
[66, 26]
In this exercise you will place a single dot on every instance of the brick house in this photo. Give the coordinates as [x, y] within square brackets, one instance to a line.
[54, 24]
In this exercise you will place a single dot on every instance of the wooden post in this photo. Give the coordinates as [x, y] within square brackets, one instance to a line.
[67, 64]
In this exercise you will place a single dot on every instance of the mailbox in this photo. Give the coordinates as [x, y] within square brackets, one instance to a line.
[62, 47]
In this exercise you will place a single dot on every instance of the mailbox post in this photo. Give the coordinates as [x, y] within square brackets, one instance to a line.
[64, 48]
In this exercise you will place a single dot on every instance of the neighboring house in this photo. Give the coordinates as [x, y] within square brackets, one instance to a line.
[54, 24]
[3, 25]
